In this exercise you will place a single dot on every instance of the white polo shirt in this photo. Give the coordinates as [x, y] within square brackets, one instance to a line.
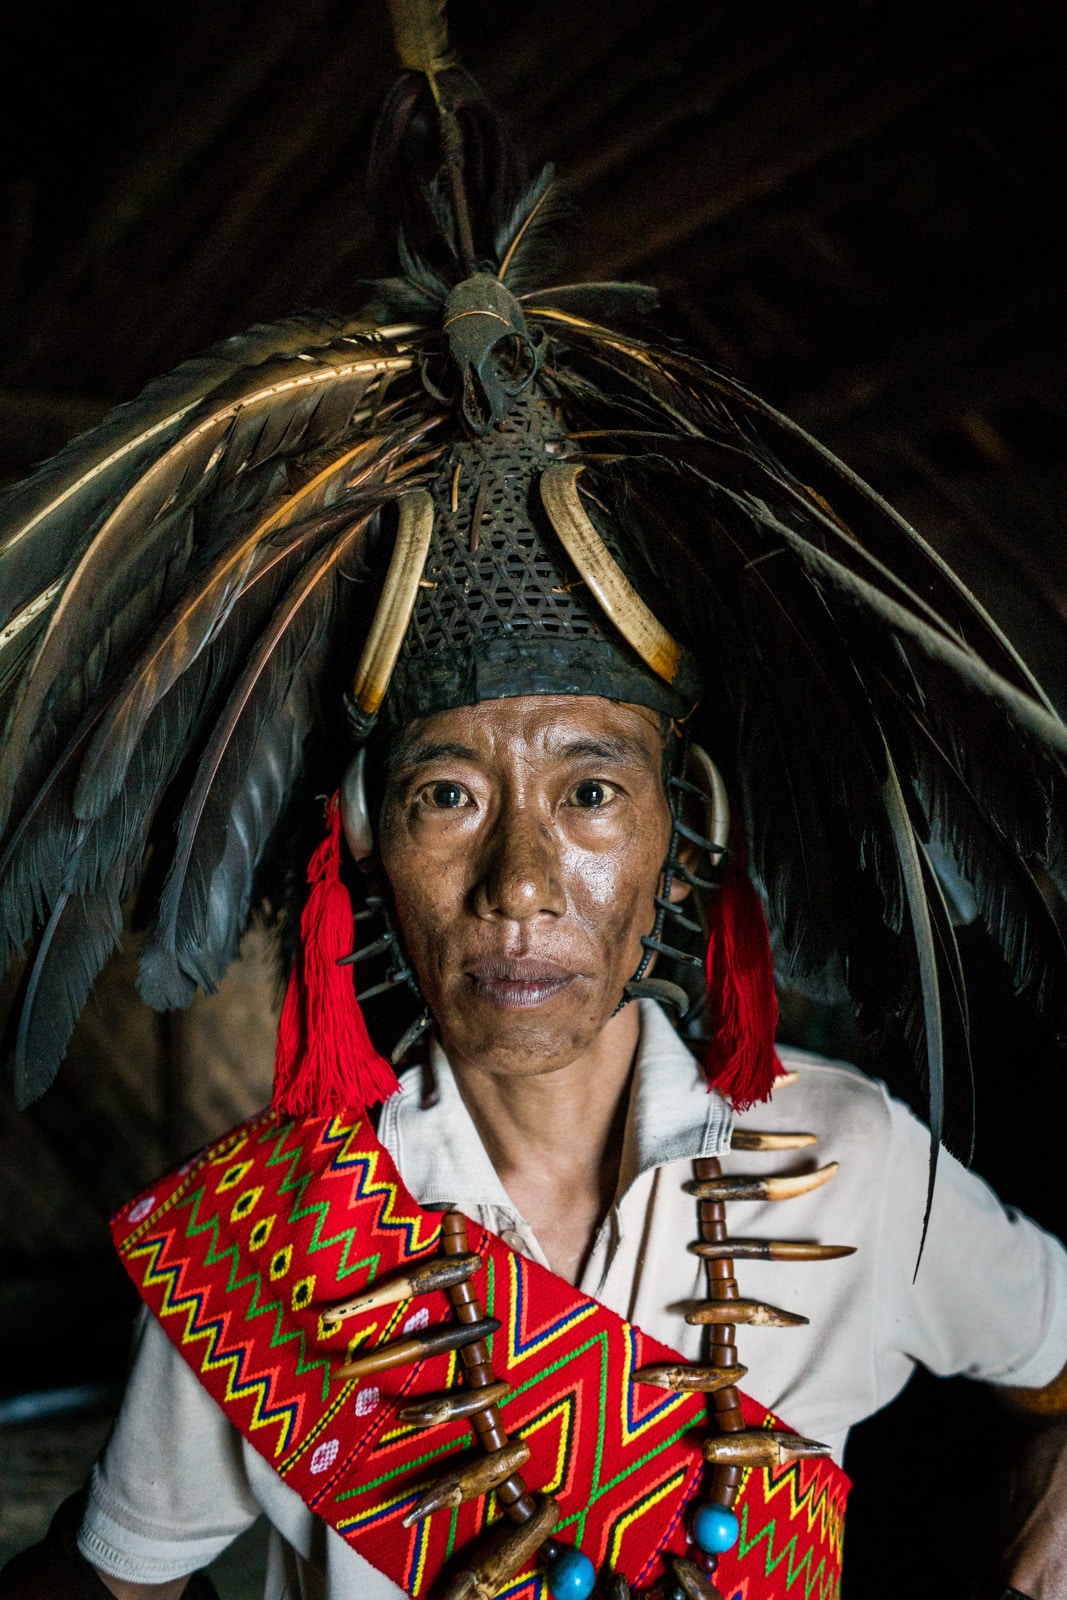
[177, 1482]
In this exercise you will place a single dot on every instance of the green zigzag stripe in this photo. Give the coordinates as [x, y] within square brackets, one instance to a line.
[258, 1389]
[804, 1504]
[297, 1183]
[231, 1251]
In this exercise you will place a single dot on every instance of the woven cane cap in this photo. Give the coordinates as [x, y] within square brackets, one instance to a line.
[501, 611]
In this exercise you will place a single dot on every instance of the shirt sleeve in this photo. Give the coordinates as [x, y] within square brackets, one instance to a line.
[989, 1300]
[170, 1491]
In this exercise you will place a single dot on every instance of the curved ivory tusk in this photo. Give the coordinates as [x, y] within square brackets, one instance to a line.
[786, 1187]
[689, 1378]
[397, 601]
[469, 1482]
[750, 1139]
[614, 592]
[750, 1313]
[761, 1447]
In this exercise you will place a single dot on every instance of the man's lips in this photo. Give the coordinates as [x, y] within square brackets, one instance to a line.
[518, 981]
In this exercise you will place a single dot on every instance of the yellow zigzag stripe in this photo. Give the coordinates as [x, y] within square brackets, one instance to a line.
[564, 1408]
[815, 1504]
[516, 1356]
[618, 1532]
[815, 1507]
[371, 1187]
[283, 1417]
[661, 1410]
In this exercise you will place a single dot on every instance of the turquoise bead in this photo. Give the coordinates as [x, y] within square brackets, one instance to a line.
[714, 1528]
[571, 1576]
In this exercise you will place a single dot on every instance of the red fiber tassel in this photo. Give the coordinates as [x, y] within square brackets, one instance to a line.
[324, 1061]
[741, 1063]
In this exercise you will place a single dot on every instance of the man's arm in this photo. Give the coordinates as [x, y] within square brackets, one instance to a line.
[1036, 1544]
[55, 1569]
[147, 1591]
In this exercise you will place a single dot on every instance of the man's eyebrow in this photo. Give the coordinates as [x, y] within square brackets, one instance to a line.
[407, 753]
[610, 749]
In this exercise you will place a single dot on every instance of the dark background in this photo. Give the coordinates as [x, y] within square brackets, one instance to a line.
[857, 208]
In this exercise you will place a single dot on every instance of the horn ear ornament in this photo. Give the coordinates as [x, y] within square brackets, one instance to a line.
[393, 616]
[717, 801]
[614, 592]
[355, 813]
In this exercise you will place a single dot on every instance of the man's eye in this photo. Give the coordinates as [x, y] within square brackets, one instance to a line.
[592, 793]
[446, 796]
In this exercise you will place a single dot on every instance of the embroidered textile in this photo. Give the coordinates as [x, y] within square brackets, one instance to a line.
[239, 1252]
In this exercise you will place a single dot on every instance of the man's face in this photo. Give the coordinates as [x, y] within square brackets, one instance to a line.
[523, 840]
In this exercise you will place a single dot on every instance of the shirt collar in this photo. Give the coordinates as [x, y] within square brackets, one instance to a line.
[671, 1117]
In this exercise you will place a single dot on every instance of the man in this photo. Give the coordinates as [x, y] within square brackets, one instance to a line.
[539, 663]
[522, 839]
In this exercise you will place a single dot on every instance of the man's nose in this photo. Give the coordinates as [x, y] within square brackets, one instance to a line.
[520, 876]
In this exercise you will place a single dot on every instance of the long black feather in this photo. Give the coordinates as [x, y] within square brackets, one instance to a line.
[189, 628]
[1010, 905]
[250, 799]
[48, 519]
[54, 852]
[291, 406]
[1028, 714]
[700, 399]
[526, 247]
[291, 636]
[79, 936]
[911, 870]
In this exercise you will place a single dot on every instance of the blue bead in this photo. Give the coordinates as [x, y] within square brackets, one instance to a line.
[714, 1528]
[571, 1576]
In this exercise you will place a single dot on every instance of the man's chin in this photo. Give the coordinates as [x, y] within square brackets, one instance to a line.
[522, 1040]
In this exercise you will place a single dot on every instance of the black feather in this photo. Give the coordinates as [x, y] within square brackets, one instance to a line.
[48, 519]
[292, 645]
[79, 936]
[526, 247]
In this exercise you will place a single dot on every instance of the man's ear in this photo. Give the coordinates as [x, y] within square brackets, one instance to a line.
[687, 853]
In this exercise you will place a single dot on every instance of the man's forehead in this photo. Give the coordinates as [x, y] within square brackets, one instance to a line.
[551, 726]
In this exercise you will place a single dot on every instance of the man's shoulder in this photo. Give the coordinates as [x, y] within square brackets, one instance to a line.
[832, 1099]
[827, 1074]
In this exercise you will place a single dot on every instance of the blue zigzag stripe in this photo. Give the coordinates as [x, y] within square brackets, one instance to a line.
[191, 1304]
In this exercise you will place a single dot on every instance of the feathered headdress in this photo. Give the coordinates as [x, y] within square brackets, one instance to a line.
[188, 589]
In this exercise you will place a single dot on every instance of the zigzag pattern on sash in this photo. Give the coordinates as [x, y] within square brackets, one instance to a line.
[524, 1338]
[417, 1230]
[815, 1506]
[226, 1351]
[239, 1252]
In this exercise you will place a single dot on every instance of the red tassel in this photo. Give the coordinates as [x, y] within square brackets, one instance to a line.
[324, 1061]
[741, 1062]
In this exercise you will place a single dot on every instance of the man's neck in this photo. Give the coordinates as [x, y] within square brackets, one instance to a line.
[555, 1139]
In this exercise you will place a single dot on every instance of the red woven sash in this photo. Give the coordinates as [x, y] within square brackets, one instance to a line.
[238, 1252]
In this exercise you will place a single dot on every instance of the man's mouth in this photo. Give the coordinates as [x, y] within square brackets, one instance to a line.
[516, 982]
